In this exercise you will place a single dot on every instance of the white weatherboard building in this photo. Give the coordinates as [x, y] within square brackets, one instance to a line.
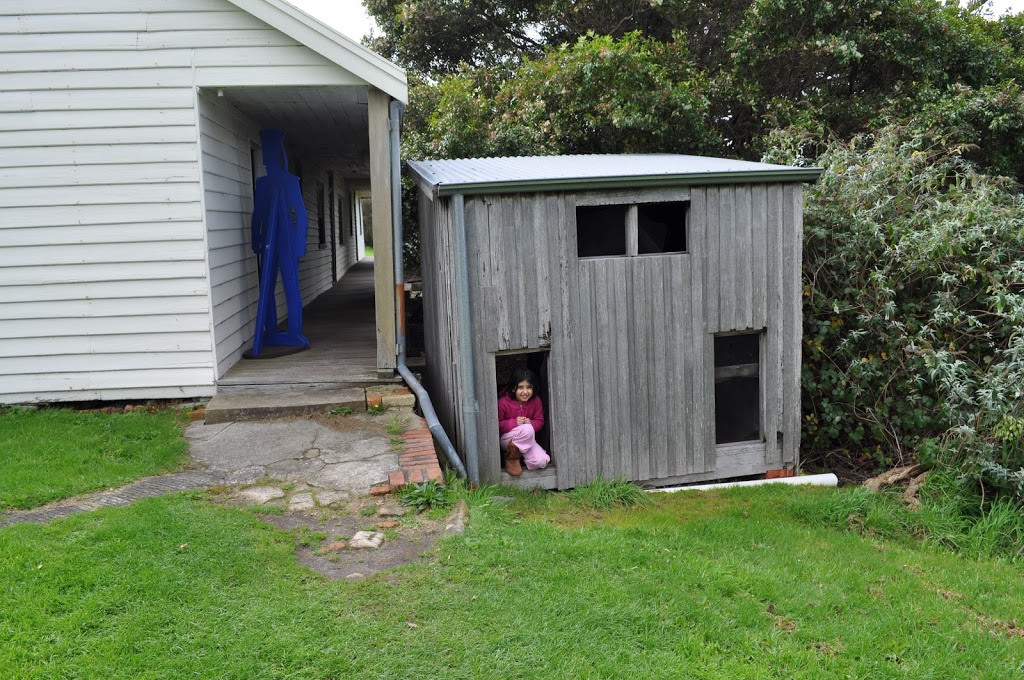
[129, 144]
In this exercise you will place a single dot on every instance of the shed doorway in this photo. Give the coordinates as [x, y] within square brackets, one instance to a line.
[505, 365]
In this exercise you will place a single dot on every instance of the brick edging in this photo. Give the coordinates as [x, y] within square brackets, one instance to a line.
[418, 459]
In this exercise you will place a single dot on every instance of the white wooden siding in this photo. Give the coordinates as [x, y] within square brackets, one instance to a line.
[105, 277]
[227, 142]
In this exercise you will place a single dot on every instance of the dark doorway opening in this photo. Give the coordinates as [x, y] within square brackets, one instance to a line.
[737, 388]
[537, 361]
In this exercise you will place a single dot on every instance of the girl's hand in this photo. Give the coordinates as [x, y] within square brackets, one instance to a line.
[522, 420]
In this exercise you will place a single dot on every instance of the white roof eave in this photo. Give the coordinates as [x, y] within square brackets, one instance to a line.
[324, 40]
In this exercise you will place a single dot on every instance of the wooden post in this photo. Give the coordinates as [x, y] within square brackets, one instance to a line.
[383, 234]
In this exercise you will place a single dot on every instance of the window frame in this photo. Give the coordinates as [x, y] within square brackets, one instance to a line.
[631, 199]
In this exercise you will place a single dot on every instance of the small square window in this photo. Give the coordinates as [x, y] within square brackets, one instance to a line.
[661, 228]
[601, 230]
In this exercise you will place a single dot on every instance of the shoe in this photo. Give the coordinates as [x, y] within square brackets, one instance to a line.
[512, 464]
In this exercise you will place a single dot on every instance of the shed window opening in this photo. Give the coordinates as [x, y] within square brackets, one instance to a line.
[737, 388]
[661, 228]
[601, 230]
[626, 230]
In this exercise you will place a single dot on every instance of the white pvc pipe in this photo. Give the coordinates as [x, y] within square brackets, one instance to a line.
[827, 479]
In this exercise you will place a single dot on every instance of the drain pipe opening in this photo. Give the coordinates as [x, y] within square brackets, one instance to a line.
[422, 398]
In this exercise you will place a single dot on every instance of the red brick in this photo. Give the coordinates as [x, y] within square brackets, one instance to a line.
[397, 478]
[386, 524]
[381, 489]
[781, 472]
[421, 457]
[435, 474]
[416, 476]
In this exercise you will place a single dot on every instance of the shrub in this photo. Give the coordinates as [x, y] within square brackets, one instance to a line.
[913, 308]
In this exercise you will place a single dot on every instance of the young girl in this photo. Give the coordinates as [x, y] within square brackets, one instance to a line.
[520, 417]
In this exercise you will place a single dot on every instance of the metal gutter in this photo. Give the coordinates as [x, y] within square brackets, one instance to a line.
[807, 175]
[426, 406]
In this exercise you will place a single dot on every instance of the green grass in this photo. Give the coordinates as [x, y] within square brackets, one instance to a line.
[747, 583]
[602, 494]
[51, 454]
[369, 251]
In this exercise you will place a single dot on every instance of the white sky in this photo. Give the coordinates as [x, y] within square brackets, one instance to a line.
[349, 17]
[345, 16]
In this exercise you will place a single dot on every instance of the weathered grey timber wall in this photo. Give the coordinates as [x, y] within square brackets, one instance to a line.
[442, 375]
[519, 265]
[630, 339]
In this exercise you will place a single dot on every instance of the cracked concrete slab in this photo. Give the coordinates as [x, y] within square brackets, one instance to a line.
[251, 443]
[291, 470]
[261, 494]
[349, 448]
[301, 502]
[356, 476]
[300, 451]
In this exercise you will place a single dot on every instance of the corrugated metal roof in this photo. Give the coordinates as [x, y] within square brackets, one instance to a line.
[580, 173]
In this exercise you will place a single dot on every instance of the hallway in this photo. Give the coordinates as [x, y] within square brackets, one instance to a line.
[342, 332]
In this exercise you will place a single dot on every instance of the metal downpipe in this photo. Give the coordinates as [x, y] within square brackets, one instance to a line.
[429, 414]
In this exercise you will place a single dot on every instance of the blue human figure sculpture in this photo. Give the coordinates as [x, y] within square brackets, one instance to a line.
[279, 225]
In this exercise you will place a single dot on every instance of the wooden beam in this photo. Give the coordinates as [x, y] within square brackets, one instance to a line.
[383, 248]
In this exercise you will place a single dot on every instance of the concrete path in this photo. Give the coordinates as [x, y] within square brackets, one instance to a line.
[302, 453]
[298, 451]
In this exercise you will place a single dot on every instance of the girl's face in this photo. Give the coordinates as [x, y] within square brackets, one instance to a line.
[524, 391]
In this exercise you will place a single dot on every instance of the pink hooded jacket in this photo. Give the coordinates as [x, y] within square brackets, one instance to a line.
[510, 408]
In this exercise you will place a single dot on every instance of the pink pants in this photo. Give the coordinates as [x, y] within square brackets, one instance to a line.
[523, 437]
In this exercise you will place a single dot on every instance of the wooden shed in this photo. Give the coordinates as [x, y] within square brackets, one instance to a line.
[657, 296]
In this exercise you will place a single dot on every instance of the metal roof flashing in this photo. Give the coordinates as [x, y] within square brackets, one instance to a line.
[536, 174]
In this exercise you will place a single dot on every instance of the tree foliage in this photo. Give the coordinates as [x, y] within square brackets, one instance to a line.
[598, 95]
[441, 36]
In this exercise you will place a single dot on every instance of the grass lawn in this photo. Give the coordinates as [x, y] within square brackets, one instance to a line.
[369, 251]
[50, 454]
[737, 584]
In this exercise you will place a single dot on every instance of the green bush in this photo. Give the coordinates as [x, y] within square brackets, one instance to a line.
[913, 307]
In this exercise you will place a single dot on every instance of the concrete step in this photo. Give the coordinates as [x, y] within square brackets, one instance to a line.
[238, 406]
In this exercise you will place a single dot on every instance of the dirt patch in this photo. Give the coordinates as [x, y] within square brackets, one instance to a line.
[412, 540]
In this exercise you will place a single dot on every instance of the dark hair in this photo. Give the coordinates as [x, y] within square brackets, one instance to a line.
[518, 376]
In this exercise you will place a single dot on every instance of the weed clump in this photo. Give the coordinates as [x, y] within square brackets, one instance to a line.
[603, 494]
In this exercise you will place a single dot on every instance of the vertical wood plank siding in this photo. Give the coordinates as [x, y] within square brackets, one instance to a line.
[637, 374]
[792, 319]
[772, 368]
[442, 369]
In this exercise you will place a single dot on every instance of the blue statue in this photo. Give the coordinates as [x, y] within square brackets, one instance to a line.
[279, 225]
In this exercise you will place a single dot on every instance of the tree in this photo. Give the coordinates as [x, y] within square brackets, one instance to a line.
[839, 64]
[439, 36]
[598, 95]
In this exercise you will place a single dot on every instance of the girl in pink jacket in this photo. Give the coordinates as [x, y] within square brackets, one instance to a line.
[520, 417]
